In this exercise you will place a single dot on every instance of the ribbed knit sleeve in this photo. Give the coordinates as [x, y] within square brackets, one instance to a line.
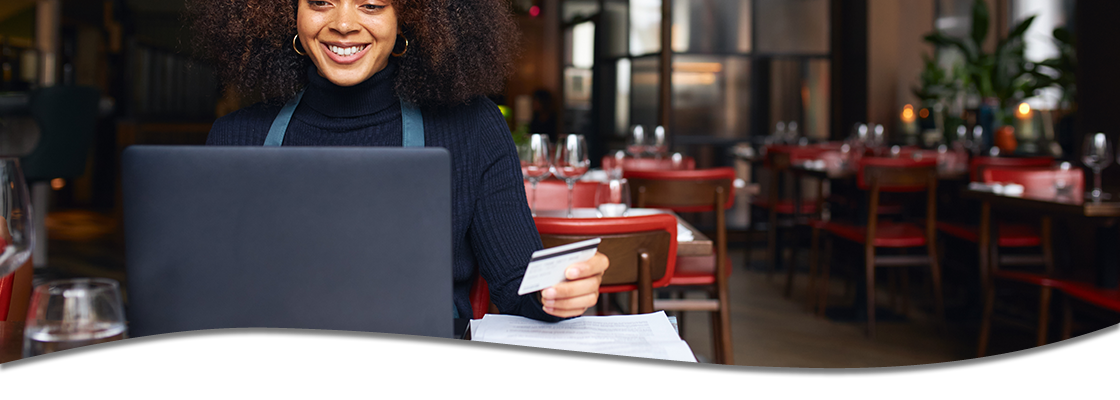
[502, 232]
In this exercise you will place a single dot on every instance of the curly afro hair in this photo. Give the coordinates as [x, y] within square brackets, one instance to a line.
[457, 50]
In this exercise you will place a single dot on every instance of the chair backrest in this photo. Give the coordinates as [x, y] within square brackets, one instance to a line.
[552, 194]
[979, 164]
[67, 118]
[682, 191]
[623, 240]
[664, 163]
[897, 174]
[6, 284]
[1038, 179]
[479, 297]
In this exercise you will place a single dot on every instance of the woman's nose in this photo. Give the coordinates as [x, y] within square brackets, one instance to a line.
[345, 21]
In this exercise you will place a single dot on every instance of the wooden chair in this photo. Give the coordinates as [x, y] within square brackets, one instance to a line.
[781, 210]
[878, 175]
[979, 164]
[642, 251]
[700, 190]
[1037, 181]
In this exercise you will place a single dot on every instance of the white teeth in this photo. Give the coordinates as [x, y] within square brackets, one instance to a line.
[346, 51]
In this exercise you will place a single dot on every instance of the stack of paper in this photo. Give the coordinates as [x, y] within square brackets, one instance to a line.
[646, 335]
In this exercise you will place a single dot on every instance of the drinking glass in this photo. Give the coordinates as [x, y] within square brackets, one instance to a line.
[637, 143]
[613, 198]
[16, 232]
[1062, 182]
[535, 163]
[655, 144]
[977, 139]
[571, 162]
[792, 135]
[73, 313]
[1096, 154]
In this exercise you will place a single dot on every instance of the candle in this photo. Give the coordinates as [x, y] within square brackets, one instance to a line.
[1024, 119]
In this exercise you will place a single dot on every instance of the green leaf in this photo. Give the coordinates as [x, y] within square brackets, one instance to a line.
[980, 22]
[1021, 28]
[1063, 35]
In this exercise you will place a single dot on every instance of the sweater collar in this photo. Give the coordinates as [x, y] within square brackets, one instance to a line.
[372, 95]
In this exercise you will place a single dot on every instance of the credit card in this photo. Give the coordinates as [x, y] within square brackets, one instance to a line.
[546, 268]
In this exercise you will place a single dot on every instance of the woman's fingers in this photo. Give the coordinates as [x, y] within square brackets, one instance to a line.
[573, 303]
[595, 266]
[569, 289]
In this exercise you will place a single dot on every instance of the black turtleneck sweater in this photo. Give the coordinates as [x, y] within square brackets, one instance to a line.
[492, 229]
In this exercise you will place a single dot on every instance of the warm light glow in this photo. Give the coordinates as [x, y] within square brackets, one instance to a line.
[711, 67]
[908, 114]
[924, 113]
[534, 11]
[57, 183]
[1024, 109]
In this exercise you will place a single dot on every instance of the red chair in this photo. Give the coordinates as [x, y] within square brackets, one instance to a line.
[979, 164]
[878, 175]
[664, 163]
[782, 210]
[1108, 299]
[15, 289]
[552, 194]
[480, 298]
[695, 191]
[642, 251]
[1036, 181]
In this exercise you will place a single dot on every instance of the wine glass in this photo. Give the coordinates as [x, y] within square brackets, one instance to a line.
[792, 135]
[16, 231]
[73, 313]
[655, 144]
[977, 139]
[613, 198]
[535, 163]
[1096, 154]
[637, 141]
[571, 162]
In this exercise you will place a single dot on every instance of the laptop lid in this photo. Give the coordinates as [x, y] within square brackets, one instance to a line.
[355, 239]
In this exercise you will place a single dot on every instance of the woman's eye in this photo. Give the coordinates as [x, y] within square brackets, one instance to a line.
[316, 3]
[372, 7]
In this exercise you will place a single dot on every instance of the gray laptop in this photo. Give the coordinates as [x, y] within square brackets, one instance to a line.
[355, 239]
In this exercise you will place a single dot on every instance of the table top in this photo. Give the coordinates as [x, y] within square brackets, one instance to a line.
[1072, 204]
[700, 245]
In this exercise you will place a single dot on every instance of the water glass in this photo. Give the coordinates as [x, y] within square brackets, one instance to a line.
[613, 198]
[1062, 182]
[73, 313]
[536, 163]
[16, 231]
[1096, 153]
[571, 162]
[656, 144]
[637, 143]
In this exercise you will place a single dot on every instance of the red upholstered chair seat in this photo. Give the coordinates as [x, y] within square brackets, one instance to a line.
[1087, 292]
[552, 194]
[1010, 234]
[697, 270]
[887, 233]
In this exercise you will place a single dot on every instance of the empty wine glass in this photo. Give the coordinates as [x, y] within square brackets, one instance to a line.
[535, 163]
[792, 135]
[977, 139]
[571, 162]
[637, 143]
[73, 313]
[655, 144]
[1096, 154]
[613, 198]
[1062, 182]
[16, 232]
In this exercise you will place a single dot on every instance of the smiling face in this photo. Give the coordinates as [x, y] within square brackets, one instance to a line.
[348, 40]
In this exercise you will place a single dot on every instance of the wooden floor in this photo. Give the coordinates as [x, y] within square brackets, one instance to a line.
[769, 330]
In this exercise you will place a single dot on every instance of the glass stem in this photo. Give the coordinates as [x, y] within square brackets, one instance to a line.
[1096, 181]
[533, 209]
[571, 188]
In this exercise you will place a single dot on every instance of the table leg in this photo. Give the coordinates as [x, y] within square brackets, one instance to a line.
[1108, 259]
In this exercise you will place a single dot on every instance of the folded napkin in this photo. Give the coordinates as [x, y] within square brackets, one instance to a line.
[683, 234]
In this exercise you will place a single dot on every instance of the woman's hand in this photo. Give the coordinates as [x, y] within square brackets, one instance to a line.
[580, 292]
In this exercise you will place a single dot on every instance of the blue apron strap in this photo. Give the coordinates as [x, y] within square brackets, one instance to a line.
[412, 123]
[280, 124]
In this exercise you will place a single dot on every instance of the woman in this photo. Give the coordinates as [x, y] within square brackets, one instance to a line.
[366, 73]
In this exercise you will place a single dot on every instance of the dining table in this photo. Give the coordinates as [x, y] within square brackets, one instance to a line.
[1105, 216]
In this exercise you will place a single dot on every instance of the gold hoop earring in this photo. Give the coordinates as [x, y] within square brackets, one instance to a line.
[405, 46]
[294, 39]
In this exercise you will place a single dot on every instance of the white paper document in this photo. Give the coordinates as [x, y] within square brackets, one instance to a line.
[646, 335]
[546, 268]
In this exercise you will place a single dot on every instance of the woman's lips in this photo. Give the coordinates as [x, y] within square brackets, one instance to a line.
[347, 59]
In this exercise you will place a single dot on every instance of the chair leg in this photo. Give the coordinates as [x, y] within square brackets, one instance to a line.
[869, 263]
[822, 293]
[1043, 314]
[789, 274]
[892, 276]
[814, 259]
[772, 245]
[1067, 318]
[986, 322]
[938, 295]
[905, 291]
[724, 333]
